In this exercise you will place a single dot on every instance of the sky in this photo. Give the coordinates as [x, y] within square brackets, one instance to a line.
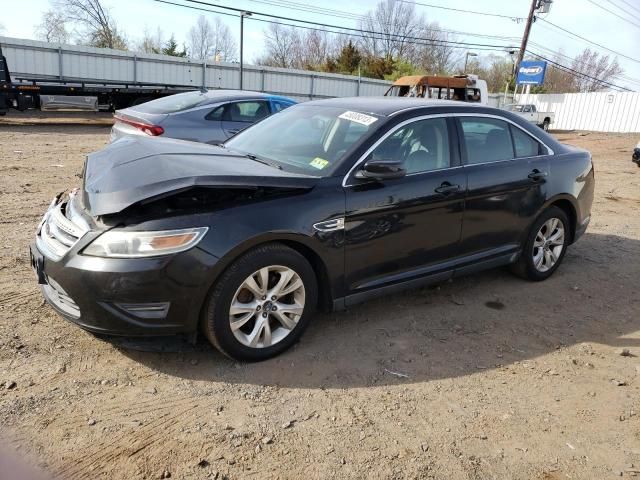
[585, 18]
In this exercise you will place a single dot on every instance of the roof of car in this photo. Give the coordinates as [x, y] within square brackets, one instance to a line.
[386, 106]
[226, 95]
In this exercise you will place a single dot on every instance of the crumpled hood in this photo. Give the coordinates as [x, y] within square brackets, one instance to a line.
[134, 169]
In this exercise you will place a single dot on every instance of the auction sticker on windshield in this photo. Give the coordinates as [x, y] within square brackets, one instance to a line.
[319, 163]
[358, 118]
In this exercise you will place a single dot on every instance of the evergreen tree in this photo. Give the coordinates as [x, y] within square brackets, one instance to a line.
[171, 48]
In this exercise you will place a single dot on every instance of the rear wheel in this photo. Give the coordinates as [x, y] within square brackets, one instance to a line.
[261, 305]
[545, 246]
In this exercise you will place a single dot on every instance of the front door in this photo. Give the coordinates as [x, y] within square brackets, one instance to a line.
[400, 230]
[507, 171]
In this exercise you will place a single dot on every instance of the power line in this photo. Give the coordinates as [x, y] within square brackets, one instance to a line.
[614, 13]
[624, 10]
[557, 54]
[590, 41]
[385, 35]
[354, 16]
[380, 36]
[460, 10]
[578, 73]
[633, 7]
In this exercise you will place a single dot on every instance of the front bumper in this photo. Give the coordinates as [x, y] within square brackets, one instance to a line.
[130, 297]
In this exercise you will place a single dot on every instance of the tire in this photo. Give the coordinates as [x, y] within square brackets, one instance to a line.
[527, 267]
[254, 314]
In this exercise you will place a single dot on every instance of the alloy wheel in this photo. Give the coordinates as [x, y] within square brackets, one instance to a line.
[548, 244]
[267, 306]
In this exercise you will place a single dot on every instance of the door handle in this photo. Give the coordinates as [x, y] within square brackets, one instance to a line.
[536, 175]
[446, 188]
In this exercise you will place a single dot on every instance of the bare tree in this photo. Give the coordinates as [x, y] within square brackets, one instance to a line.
[397, 23]
[97, 26]
[314, 48]
[435, 54]
[596, 69]
[151, 42]
[207, 40]
[53, 27]
[290, 47]
[278, 44]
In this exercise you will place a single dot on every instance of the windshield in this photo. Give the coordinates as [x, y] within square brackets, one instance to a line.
[306, 139]
[515, 108]
[174, 103]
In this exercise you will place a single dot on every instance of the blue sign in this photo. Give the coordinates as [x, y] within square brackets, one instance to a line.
[531, 72]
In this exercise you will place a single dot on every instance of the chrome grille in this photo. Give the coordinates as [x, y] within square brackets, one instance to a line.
[61, 228]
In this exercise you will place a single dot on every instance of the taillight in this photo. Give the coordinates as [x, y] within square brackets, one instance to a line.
[152, 130]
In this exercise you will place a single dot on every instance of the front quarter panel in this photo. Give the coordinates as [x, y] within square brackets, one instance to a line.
[291, 220]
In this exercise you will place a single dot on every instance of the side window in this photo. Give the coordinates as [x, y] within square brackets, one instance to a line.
[486, 139]
[278, 106]
[216, 113]
[527, 109]
[525, 145]
[422, 146]
[248, 112]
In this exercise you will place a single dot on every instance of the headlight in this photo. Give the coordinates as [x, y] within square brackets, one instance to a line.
[127, 244]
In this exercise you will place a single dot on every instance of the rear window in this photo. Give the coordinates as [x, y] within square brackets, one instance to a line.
[174, 103]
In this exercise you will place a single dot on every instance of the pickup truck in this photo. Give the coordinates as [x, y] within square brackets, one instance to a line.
[530, 113]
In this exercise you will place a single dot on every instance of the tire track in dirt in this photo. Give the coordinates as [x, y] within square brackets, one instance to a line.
[13, 297]
[137, 408]
[127, 444]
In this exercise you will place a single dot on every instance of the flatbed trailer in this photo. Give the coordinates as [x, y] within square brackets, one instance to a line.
[23, 93]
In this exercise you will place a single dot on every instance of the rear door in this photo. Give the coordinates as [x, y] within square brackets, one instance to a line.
[239, 115]
[506, 171]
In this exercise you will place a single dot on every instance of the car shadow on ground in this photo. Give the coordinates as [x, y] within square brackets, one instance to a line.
[473, 324]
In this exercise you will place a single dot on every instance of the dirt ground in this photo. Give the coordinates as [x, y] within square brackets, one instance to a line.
[487, 377]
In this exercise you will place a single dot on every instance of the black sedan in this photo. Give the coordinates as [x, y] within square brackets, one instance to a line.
[324, 205]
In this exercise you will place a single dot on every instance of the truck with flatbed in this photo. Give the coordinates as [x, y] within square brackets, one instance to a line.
[529, 112]
[32, 92]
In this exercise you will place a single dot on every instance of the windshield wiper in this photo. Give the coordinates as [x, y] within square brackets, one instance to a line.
[253, 157]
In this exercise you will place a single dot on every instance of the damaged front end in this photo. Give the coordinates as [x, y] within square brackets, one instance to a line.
[126, 253]
[140, 171]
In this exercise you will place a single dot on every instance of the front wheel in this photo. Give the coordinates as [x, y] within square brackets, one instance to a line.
[545, 246]
[261, 304]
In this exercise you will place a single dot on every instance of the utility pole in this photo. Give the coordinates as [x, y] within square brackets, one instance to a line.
[527, 30]
[242, 15]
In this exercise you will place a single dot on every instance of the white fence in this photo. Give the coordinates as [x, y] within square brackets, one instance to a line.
[598, 111]
[29, 59]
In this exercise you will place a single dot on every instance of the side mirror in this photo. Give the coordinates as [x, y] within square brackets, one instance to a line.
[381, 170]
